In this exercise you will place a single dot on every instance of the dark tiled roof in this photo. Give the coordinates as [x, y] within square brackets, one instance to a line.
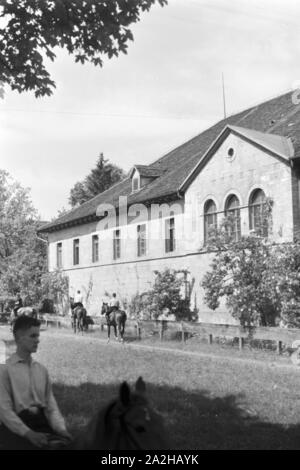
[279, 116]
[149, 171]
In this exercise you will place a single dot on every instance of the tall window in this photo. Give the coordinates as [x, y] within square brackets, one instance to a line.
[210, 218]
[141, 240]
[95, 248]
[232, 211]
[135, 184]
[76, 251]
[117, 244]
[170, 235]
[59, 255]
[258, 219]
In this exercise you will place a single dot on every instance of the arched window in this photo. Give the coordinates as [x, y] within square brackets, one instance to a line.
[210, 218]
[232, 212]
[258, 219]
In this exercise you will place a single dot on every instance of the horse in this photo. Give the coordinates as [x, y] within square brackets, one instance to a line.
[116, 319]
[27, 311]
[79, 319]
[127, 423]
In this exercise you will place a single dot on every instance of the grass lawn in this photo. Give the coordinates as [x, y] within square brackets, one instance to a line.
[211, 397]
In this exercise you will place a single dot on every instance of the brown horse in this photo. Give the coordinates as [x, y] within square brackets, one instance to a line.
[116, 319]
[79, 318]
[128, 423]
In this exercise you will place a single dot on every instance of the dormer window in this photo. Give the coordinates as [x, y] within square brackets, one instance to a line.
[142, 175]
[135, 184]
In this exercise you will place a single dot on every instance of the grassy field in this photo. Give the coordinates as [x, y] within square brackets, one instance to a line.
[211, 397]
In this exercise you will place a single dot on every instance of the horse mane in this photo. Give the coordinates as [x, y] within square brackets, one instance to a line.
[126, 423]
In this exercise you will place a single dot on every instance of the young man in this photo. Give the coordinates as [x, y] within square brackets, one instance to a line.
[29, 414]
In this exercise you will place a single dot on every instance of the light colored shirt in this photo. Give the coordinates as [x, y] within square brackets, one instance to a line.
[78, 298]
[24, 385]
[114, 303]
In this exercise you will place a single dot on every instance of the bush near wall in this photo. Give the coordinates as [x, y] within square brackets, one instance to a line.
[164, 297]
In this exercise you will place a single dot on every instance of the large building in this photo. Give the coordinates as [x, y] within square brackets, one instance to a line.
[160, 215]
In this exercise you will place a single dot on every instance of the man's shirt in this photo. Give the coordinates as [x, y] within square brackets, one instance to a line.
[114, 303]
[78, 298]
[24, 385]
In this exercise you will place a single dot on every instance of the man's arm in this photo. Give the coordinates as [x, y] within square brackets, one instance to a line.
[8, 416]
[53, 413]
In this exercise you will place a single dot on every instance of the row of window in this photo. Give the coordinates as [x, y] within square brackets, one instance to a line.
[141, 244]
[257, 222]
[257, 215]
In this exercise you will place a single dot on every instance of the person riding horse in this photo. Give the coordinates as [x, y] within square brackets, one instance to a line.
[114, 304]
[79, 313]
[115, 317]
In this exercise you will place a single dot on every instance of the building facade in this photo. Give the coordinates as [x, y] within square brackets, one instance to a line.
[160, 216]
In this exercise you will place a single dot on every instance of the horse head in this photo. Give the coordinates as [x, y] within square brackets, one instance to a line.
[104, 308]
[128, 423]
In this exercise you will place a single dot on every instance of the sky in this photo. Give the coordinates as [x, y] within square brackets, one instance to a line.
[139, 106]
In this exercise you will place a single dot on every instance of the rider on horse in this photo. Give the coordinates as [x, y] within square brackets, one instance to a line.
[78, 300]
[114, 304]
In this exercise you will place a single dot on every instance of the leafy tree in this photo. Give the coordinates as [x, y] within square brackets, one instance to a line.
[102, 177]
[22, 255]
[282, 281]
[165, 294]
[55, 286]
[88, 30]
[237, 274]
[259, 280]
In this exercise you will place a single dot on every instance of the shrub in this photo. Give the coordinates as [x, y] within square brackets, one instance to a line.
[165, 295]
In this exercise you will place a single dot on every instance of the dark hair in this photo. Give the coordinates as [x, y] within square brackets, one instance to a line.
[24, 323]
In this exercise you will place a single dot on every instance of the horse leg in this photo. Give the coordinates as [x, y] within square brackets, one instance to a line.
[115, 330]
[108, 332]
[122, 329]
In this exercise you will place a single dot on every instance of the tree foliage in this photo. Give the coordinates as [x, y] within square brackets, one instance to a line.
[88, 30]
[102, 177]
[166, 293]
[259, 280]
[23, 256]
[55, 286]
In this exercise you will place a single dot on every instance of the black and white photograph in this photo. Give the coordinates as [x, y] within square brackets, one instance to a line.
[149, 228]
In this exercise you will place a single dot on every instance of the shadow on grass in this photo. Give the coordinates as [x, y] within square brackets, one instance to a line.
[193, 419]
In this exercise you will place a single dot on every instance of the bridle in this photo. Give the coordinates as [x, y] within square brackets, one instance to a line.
[125, 428]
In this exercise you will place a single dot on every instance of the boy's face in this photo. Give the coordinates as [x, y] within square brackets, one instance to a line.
[28, 340]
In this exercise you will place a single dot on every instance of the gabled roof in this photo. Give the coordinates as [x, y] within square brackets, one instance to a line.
[280, 146]
[276, 117]
[277, 144]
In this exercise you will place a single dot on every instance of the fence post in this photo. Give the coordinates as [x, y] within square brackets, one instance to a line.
[279, 347]
[161, 330]
[138, 330]
[210, 338]
[241, 343]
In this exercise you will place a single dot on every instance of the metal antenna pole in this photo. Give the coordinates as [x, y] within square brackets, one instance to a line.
[224, 102]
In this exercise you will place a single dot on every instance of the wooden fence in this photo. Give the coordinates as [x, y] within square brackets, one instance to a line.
[185, 329]
[209, 330]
